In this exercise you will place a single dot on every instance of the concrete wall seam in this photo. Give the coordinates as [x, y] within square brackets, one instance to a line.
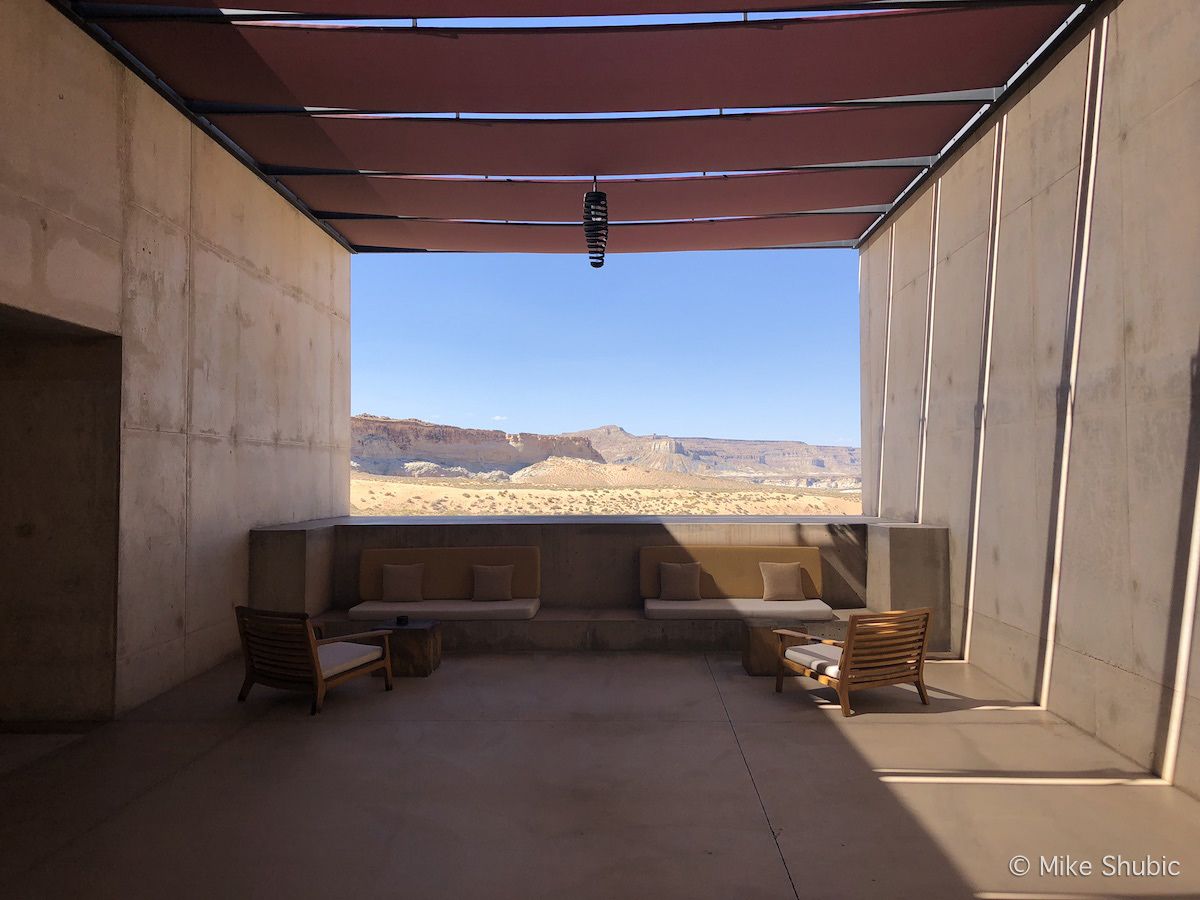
[1097, 45]
[887, 353]
[927, 369]
[985, 367]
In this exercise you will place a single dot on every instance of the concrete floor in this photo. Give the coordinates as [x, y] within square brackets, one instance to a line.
[583, 775]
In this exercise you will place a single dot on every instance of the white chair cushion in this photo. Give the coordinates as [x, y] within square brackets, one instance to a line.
[450, 610]
[343, 655]
[748, 609]
[821, 658]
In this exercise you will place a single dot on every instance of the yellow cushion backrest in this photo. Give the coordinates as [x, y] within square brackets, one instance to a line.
[729, 571]
[448, 574]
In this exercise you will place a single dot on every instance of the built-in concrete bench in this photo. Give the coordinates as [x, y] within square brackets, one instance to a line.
[448, 584]
[731, 584]
[587, 589]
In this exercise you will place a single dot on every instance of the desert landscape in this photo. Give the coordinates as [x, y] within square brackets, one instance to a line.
[406, 467]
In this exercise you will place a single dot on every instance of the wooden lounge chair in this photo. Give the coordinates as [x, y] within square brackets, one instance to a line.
[283, 651]
[880, 649]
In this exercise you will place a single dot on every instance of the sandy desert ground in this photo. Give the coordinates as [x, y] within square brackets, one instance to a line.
[387, 495]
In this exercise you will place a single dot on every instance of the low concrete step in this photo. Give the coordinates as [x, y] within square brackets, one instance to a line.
[584, 630]
[566, 629]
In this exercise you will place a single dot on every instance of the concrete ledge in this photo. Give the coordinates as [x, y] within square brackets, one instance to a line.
[600, 629]
[587, 633]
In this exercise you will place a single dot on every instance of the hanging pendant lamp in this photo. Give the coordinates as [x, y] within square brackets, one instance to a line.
[595, 224]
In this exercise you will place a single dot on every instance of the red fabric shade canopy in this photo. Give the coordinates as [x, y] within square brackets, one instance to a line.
[733, 234]
[331, 111]
[628, 199]
[786, 62]
[585, 147]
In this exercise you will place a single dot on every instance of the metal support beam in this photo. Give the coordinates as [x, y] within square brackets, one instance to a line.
[908, 163]
[116, 11]
[351, 216]
[982, 96]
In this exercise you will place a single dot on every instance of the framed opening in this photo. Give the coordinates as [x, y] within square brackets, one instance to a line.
[671, 384]
[60, 406]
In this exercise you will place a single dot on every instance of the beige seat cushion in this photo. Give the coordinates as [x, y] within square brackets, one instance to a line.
[342, 656]
[821, 658]
[679, 581]
[402, 584]
[753, 609]
[782, 580]
[492, 583]
[449, 610]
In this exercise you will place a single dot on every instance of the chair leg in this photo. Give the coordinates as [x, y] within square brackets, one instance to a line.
[387, 674]
[318, 701]
[844, 699]
[920, 683]
[779, 677]
[245, 691]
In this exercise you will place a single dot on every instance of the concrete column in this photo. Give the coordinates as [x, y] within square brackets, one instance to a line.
[291, 569]
[908, 567]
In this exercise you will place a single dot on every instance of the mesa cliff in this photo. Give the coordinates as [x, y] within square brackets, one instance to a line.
[384, 446]
[762, 462]
[417, 449]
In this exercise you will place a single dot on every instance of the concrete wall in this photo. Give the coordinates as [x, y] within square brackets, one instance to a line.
[60, 399]
[233, 309]
[1131, 466]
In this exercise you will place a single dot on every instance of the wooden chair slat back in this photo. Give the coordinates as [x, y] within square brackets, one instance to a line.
[885, 645]
[279, 646]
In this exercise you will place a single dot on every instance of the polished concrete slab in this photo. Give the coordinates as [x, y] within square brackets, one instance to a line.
[587, 775]
[19, 749]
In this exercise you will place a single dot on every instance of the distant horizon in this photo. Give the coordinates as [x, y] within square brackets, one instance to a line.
[745, 345]
[498, 426]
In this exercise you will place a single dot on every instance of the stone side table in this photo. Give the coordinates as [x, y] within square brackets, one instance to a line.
[416, 647]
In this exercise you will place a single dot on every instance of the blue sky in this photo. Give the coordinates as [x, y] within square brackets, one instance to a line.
[754, 344]
[746, 344]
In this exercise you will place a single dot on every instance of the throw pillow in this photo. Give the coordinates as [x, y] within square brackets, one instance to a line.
[679, 581]
[493, 582]
[782, 581]
[402, 584]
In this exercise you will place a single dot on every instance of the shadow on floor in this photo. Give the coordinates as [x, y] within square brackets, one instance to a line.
[586, 775]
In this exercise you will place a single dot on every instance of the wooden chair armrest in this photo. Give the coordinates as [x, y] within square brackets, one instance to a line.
[358, 635]
[787, 632]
